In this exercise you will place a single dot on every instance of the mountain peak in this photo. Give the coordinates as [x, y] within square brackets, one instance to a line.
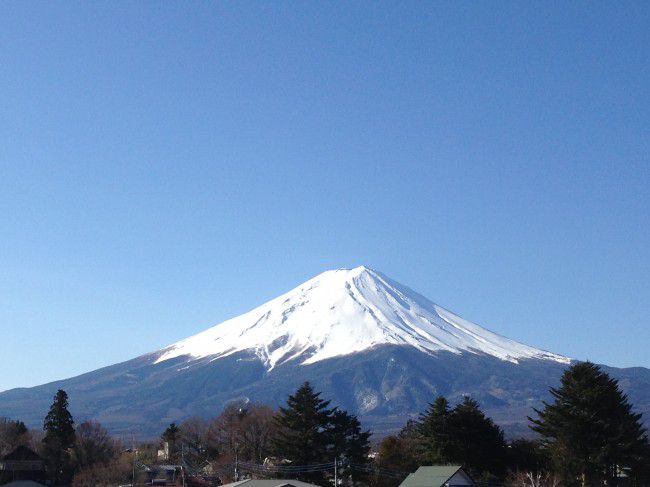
[349, 271]
[345, 311]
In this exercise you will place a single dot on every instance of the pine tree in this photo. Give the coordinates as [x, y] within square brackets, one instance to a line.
[525, 455]
[433, 429]
[170, 436]
[462, 435]
[350, 445]
[590, 429]
[59, 438]
[304, 431]
[475, 441]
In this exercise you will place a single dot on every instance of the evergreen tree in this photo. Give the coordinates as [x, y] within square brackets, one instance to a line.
[475, 441]
[59, 439]
[433, 429]
[308, 432]
[170, 436]
[526, 455]
[304, 434]
[462, 435]
[640, 468]
[590, 429]
[350, 445]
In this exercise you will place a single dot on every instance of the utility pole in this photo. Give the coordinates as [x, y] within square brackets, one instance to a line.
[236, 466]
[183, 462]
[336, 472]
[134, 458]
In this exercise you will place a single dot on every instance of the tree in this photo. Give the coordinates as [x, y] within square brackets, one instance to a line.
[525, 478]
[303, 431]
[194, 439]
[526, 455]
[590, 429]
[462, 435]
[349, 445]
[397, 453]
[225, 431]
[433, 428]
[257, 429]
[475, 441]
[93, 445]
[640, 468]
[243, 432]
[170, 439]
[59, 438]
[118, 472]
[12, 435]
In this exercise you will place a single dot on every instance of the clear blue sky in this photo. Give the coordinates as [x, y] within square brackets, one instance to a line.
[167, 165]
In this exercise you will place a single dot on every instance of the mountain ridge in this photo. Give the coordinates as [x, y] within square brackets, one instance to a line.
[371, 345]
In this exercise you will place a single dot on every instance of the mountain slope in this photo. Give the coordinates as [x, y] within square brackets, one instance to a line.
[374, 346]
[347, 311]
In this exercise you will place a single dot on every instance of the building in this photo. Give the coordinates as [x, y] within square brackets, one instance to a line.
[21, 464]
[269, 483]
[438, 476]
[23, 483]
[163, 453]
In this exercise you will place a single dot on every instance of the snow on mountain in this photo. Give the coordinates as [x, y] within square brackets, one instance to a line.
[344, 311]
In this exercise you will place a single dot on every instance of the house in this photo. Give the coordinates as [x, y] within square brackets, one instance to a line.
[21, 464]
[163, 453]
[175, 476]
[269, 483]
[438, 476]
[23, 483]
[164, 474]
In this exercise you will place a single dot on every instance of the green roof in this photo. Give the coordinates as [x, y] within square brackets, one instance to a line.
[433, 476]
[268, 483]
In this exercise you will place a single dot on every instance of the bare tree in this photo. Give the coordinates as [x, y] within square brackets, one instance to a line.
[12, 435]
[117, 472]
[257, 429]
[93, 445]
[225, 430]
[243, 431]
[195, 441]
[533, 479]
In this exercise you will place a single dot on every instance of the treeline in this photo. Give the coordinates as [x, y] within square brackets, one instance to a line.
[588, 435]
[301, 440]
[82, 454]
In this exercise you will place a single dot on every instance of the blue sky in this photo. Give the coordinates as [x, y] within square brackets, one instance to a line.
[165, 166]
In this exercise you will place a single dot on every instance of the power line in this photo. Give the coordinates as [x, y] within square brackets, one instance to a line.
[291, 470]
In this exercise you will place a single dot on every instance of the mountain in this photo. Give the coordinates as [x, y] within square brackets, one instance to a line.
[342, 312]
[373, 345]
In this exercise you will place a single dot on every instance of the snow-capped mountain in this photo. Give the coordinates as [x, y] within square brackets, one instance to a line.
[372, 345]
[345, 311]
